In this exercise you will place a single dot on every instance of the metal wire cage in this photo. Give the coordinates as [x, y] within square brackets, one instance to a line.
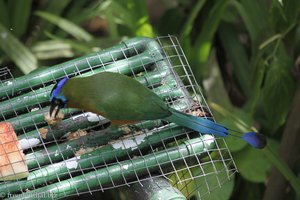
[81, 153]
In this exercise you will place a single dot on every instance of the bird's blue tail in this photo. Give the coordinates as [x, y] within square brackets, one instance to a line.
[199, 124]
[207, 126]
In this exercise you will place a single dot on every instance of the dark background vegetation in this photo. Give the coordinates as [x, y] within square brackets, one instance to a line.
[244, 53]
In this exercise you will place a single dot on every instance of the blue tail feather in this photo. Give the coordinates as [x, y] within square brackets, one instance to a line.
[207, 126]
[199, 124]
[256, 140]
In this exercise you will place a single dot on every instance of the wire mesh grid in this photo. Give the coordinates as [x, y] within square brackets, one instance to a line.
[81, 153]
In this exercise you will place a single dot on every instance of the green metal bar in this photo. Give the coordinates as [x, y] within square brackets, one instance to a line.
[132, 56]
[129, 168]
[32, 119]
[56, 153]
[40, 96]
[96, 158]
[131, 46]
[24, 102]
[168, 92]
[127, 66]
[157, 188]
[33, 138]
[72, 124]
[148, 79]
[149, 44]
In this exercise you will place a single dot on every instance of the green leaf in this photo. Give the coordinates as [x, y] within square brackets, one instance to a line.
[253, 164]
[257, 24]
[52, 50]
[214, 85]
[122, 16]
[278, 17]
[19, 53]
[231, 15]
[187, 28]
[66, 25]
[204, 40]
[82, 11]
[291, 9]
[144, 28]
[278, 91]
[217, 182]
[234, 119]
[115, 14]
[211, 178]
[4, 18]
[256, 83]
[174, 17]
[270, 40]
[120, 13]
[272, 154]
[19, 16]
[138, 13]
[54, 7]
[296, 45]
[79, 46]
[237, 56]
[248, 190]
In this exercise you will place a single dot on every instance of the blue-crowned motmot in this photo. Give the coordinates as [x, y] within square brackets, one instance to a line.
[124, 100]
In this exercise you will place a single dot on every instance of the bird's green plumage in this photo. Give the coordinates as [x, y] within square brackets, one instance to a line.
[123, 99]
[116, 96]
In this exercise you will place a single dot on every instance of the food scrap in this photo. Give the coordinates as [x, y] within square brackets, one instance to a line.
[85, 150]
[199, 111]
[76, 134]
[54, 120]
[43, 132]
[12, 159]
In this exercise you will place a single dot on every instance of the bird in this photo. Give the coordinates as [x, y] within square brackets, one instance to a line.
[124, 100]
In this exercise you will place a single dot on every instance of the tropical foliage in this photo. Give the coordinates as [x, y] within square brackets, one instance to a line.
[244, 53]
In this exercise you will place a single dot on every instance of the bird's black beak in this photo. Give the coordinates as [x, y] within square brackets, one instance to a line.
[56, 104]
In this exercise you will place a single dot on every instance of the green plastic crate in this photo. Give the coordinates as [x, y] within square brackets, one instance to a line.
[83, 154]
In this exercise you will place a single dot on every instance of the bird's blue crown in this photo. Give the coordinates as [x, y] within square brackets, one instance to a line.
[56, 91]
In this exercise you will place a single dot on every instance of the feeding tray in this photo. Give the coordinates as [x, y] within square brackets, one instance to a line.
[82, 153]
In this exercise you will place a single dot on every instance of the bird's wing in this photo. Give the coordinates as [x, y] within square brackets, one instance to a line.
[117, 96]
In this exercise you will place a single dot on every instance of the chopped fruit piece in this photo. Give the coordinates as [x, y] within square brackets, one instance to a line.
[12, 159]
